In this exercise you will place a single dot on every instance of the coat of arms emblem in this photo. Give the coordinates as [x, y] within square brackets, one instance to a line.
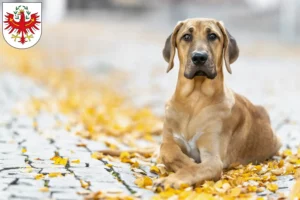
[22, 27]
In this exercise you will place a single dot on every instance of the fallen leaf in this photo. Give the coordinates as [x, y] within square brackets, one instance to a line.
[81, 145]
[54, 174]
[44, 189]
[97, 155]
[84, 184]
[24, 150]
[77, 161]
[154, 169]
[39, 176]
[272, 187]
[277, 172]
[60, 161]
[28, 169]
[235, 192]
[143, 181]
[287, 152]
[108, 165]
[252, 188]
[125, 157]
[135, 164]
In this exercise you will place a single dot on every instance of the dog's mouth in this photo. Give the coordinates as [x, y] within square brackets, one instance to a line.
[200, 73]
[191, 75]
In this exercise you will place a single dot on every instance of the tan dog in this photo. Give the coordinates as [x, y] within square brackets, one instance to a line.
[204, 119]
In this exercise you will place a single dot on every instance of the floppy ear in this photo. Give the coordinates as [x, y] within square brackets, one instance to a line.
[170, 45]
[231, 50]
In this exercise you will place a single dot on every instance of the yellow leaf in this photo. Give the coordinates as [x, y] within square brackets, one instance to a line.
[109, 165]
[292, 159]
[143, 182]
[110, 145]
[218, 184]
[125, 157]
[28, 169]
[281, 163]
[97, 155]
[54, 174]
[81, 145]
[273, 178]
[260, 189]
[84, 184]
[34, 124]
[38, 176]
[184, 185]
[166, 194]
[44, 189]
[148, 137]
[235, 192]
[24, 150]
[154, 169]
[272, 187]
[287, 152]
[297, 174]
[295, 192]
[289, 169]
[252, 188]
[135, 164]
[60, 161]
[186, 194]
[55, 158]
[77, 161]
[277, 172]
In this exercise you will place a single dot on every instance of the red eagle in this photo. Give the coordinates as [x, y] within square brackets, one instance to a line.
[22, 27]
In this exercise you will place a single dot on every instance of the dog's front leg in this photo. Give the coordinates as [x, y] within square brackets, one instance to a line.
[171, 154]
[209, 169]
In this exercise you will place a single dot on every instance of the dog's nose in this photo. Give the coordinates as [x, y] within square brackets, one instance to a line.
[199, 57]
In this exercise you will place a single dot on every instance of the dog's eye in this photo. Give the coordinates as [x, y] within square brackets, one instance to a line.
[212, 37]
[187, 37]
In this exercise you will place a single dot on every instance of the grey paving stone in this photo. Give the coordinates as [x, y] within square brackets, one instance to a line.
[24, 121]
[68, 181]
[24, 192]
[4, 195]
[65, 195]
[21, 173]
[55, 168]
[46, 121]
[31, 182]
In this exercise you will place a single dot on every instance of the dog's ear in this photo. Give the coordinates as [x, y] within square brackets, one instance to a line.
[231, 50]
[170, 45]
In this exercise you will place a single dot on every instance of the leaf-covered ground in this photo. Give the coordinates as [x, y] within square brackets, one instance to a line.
[98, 110]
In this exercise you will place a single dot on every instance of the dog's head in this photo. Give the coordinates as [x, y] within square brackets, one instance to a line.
[201, 44]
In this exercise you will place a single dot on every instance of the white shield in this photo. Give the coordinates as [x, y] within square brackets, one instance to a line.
[22, 24]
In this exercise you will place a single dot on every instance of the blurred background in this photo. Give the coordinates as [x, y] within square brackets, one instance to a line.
[102, 36]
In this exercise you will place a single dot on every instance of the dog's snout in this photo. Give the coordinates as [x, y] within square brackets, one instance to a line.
[199, 57]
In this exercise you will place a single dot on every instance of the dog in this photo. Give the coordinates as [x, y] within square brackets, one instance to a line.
[208, 127]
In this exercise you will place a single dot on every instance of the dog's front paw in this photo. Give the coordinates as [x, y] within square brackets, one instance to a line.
[175, 181]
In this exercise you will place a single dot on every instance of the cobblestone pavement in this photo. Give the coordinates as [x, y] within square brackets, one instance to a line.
[41, 138]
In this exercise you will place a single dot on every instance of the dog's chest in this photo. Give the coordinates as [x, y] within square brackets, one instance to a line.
[190, 146]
